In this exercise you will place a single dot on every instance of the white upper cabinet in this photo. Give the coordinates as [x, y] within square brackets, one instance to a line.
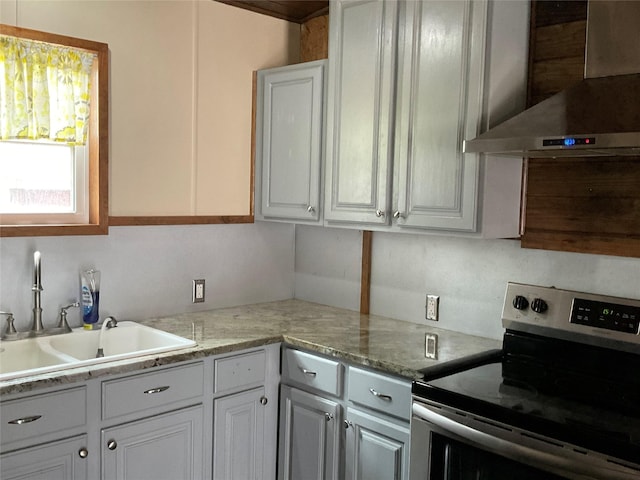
[362, 62]
[409, 81]
[289, 142]
[439, 98]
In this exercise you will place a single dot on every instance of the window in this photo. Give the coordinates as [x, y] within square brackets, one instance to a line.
[53, 145]
[43, 183]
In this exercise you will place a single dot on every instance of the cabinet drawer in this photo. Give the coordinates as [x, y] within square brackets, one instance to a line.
[36, 417]
[312, 371]
[151, 390]
[380, 392]
[232, 373]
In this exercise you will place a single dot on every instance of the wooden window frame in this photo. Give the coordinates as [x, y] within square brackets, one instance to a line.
[98, 141]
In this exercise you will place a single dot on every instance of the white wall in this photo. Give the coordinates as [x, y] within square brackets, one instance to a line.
[469, 275]
[147, 271]
[180, 94]
[180, 140]
[327, 266]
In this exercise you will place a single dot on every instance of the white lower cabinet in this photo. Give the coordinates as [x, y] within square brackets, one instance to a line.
[215, 418]
[376, 448]
[239, 435]
[245, 414]
[165, 446]
[44, 436]
[372, 440]
[309, 436]
[59, 460]
[212, 418]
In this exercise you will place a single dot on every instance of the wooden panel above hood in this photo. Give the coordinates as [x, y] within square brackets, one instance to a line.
[583, 205]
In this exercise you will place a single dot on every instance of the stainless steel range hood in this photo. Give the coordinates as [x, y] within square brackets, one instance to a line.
[600, 116]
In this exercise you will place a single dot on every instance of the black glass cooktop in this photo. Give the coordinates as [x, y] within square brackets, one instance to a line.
[583, 395]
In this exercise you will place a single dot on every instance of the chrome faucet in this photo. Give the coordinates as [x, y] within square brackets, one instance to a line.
[108, 323]
[36, 327]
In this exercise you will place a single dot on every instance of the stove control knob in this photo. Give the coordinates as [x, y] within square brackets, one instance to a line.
[539, 306]
[520, 303]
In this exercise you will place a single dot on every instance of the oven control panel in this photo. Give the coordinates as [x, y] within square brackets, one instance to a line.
[591, 318]
[612, 316]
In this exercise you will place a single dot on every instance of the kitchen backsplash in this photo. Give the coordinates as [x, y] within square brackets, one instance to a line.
[147, 272]
[469, 275]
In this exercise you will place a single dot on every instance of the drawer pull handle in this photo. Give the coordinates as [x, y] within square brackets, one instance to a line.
[151, 391]
[22, 421]
[83, 452]
[381, 396]
[311, 373]
[112, 444]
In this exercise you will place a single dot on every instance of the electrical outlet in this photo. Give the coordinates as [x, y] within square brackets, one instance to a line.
[431, 345]
[198, 291]
[432, 307]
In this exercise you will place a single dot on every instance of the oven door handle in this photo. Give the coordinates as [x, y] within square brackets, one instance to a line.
[561, 465]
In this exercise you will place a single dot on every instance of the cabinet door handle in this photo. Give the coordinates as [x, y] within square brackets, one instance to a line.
[398, 214]
[310, 209]
[263, 400]
[83, 452]
[308, 372]
[23, 420]
[328, 416]
[112, 444]
[151, 391]
[348, 424]
[381, 396]
[379, 213]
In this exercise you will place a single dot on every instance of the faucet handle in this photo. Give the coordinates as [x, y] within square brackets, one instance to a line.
[110, 322]
[74, 304]
[11, 329]
[62, 323]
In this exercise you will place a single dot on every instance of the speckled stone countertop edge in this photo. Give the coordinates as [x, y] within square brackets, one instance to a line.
[383, 366]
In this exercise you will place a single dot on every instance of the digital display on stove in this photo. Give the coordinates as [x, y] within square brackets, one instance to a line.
[611, 316]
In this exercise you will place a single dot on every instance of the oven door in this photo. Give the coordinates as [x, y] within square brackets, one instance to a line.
[447, 444]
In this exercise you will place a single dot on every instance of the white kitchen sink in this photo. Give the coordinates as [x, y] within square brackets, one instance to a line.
[34, 356]
[28, 355]
[120, 342]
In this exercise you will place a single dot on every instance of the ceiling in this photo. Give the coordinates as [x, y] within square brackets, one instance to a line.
[298, 11]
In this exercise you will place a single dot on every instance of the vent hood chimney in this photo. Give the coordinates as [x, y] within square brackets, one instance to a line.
[600, 116]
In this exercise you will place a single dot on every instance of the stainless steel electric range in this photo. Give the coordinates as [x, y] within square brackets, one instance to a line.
[561, 400]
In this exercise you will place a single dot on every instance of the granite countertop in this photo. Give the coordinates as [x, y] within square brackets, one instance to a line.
[392, 346]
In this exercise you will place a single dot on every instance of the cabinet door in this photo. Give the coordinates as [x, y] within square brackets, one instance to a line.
[289, 137]
[362, 45]
[309, 436]
[166, 446]
[60, 460]
[440, 91]
[239, 436]
[377, 449]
